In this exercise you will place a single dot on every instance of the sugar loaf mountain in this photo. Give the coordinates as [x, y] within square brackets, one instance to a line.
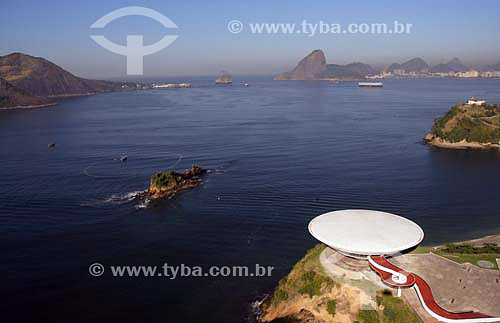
[314, 67]
[28, 81]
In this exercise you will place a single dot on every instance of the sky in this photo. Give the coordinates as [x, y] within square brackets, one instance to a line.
[59, 31]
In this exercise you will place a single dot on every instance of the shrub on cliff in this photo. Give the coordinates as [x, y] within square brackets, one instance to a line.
[306, 278]
[331, 307]
[312, 282]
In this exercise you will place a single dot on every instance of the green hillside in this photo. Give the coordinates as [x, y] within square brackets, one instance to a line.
[470, 123]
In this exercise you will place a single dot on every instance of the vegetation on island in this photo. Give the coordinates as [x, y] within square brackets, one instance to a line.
[165, 179]
[168, 184]
[471, 123]
[171, 178]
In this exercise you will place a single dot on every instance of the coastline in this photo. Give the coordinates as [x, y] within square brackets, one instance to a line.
[35, 106]
[436, 141]
[321, 79]
[78, 94]
[492, 238]
[58, 98]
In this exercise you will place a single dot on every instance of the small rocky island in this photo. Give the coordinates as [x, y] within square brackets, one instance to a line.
[467, 126]
[165, 185]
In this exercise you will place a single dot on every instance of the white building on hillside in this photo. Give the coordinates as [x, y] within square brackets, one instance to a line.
[474, 101]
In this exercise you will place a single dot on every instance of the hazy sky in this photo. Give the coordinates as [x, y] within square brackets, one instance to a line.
[59, 31]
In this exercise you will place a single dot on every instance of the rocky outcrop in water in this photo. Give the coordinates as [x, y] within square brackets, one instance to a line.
[165, 185]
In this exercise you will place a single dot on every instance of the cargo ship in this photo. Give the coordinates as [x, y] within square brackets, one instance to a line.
[171, 85]
[370, 84]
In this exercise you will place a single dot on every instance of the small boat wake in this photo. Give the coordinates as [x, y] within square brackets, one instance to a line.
[256, 308]
[122, 198]
[114, 199]
[87, 172]
[143, 204]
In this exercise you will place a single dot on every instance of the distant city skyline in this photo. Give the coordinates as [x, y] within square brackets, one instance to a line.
[59, 31]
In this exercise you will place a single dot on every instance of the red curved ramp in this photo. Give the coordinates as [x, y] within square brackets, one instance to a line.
[381, 266]
[425, 294]
[387, 271]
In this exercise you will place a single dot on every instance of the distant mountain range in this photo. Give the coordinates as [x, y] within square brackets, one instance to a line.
[494, 67]
[30, 81]
[314, 67]
[413, 65]
[455, 65]
[419, 65]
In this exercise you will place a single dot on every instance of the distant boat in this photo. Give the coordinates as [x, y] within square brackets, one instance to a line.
[172, 85]
[246, 84]
[224, 78]
[124, 158]
[370, 84]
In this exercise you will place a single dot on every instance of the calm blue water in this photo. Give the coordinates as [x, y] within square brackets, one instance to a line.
[281, 153]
